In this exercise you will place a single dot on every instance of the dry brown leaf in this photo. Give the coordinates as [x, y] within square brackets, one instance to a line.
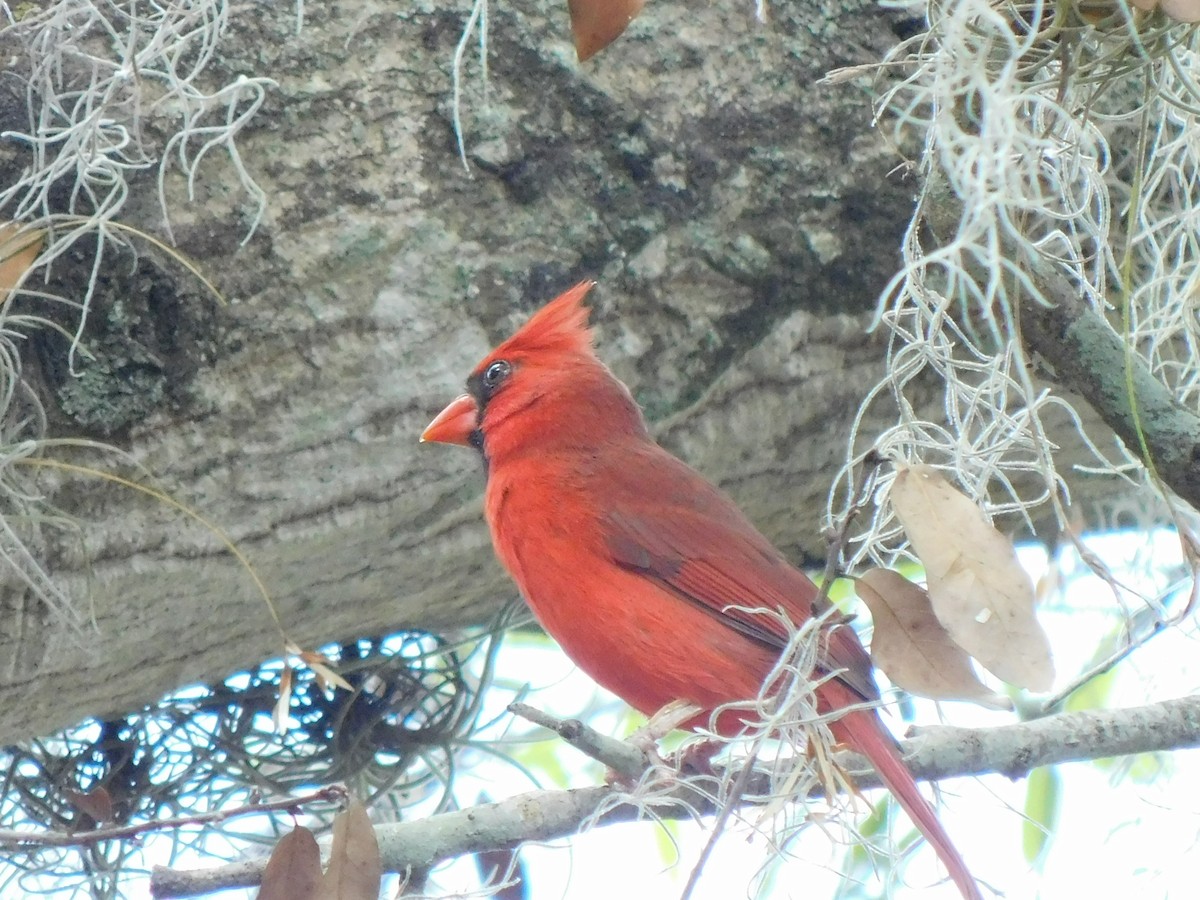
[979, 591]
[597, 23]
[1182, 10]
[322, 668]
[912, 648]
[19, 247]
[294, 870]
[96, 803]
[1187, 11]
[279, 715]
[355, 870]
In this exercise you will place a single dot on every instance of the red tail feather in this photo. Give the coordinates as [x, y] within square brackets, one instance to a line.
[863, 731]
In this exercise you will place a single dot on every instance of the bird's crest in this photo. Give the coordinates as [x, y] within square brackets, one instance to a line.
[559, 326]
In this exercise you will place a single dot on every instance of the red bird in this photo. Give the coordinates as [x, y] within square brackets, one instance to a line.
[635, 564]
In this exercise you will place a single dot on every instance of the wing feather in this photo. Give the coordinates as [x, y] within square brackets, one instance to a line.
[691, 539]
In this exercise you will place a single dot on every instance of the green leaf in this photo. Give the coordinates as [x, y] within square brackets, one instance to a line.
[1043, 803]
[666, 838]
[877, 821]
[1148, 768]
[863, 864]
[1093, 694]
[545, 759]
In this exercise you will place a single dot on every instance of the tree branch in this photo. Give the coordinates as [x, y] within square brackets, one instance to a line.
[939, 752]
[622, 757]
[26, 838]
[1089, 357]
[1086, 355]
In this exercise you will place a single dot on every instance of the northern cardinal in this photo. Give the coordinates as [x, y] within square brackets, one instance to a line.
[641, 570]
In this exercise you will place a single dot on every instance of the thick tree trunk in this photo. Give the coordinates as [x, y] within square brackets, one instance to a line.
[741, 220]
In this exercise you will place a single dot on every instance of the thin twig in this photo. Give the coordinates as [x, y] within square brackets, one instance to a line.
[332, 794]
[627, 760]
[837, 538]
[1159, 625]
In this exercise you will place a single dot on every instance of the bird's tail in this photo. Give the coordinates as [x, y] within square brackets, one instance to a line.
[863, 731]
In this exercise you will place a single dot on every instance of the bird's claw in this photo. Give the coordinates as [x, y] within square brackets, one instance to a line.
[646, 738]
[672, 716]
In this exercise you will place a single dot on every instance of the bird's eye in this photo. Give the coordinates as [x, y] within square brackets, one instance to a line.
[494, 374]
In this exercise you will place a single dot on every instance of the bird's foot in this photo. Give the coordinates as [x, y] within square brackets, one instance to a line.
[696, 759]
[646, 738]
[674, 715]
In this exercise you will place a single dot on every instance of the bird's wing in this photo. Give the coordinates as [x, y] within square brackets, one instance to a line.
[663, 520]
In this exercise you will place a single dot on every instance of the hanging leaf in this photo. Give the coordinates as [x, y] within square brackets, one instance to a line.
[912, 648]
[1187, 11]
[355, 870]
[294, 870]
[19, 247]
[321, 666]
[1043, 799]
[97, 804]
[597, 23]
[980, 592]
[279, 714]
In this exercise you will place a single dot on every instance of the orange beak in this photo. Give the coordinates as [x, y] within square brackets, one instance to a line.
[454, 424]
